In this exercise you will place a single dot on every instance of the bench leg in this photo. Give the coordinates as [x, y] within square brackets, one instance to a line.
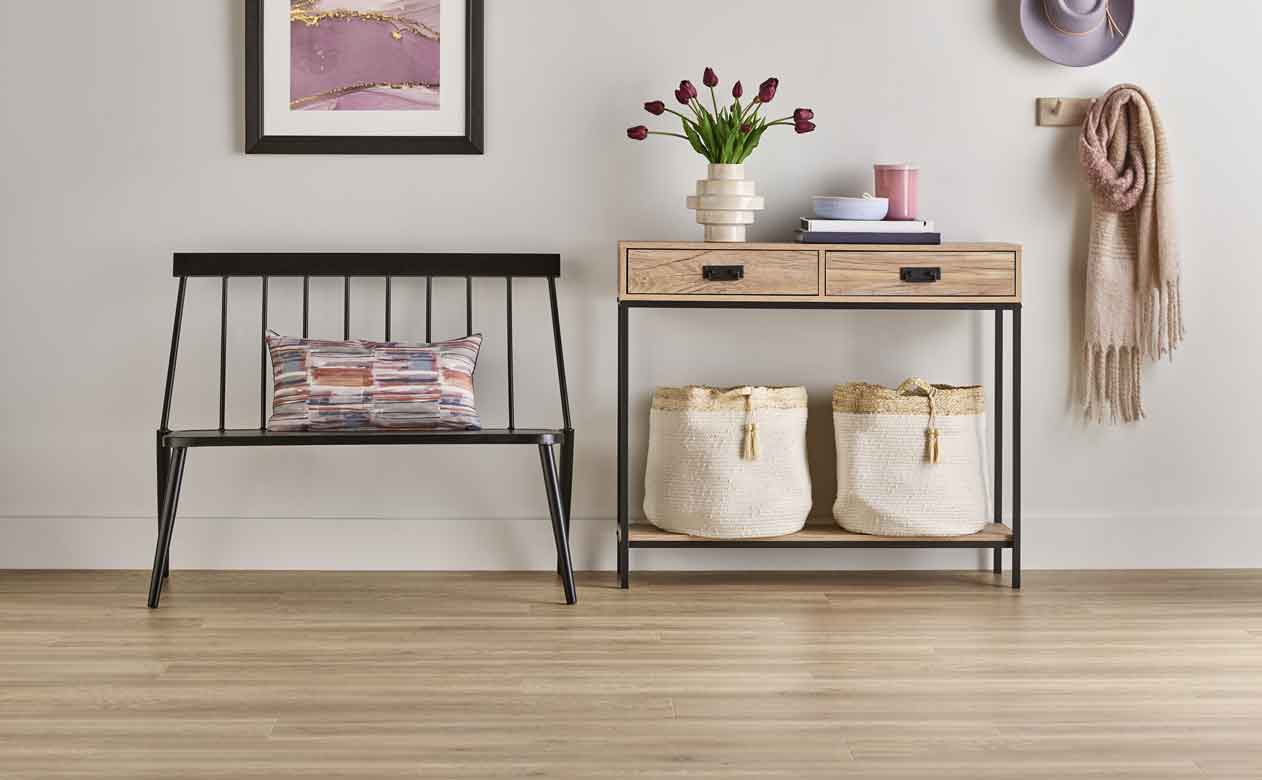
[170, 498]
[164, 462]
[557, 509]
[567, 490]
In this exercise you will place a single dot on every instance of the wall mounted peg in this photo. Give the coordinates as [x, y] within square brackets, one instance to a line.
[1061, 112]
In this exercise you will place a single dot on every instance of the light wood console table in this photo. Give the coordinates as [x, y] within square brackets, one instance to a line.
[967, 277]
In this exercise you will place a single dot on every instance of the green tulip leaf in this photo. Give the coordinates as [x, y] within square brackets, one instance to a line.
[729, 148]
[695, 140]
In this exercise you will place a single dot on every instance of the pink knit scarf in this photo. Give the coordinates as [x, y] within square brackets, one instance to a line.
[1134, 309]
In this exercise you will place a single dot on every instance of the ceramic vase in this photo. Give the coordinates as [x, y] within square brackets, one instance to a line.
[725, 203]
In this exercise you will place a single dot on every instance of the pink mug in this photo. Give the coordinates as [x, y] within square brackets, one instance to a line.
[900, 183]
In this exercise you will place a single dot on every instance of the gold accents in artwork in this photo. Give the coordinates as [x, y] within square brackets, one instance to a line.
[304, 11]
[332, 93]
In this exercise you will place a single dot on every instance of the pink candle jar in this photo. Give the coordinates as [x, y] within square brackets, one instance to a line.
[900, 183]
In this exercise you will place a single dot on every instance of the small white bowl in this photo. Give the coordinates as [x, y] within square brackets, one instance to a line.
[842, 207]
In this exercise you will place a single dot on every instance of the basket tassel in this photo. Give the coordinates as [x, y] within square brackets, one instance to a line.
[749, 445]
[749, 442]
[932, 439]
[932, 433]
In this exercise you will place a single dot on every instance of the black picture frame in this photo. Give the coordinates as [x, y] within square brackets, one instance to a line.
[258, 143]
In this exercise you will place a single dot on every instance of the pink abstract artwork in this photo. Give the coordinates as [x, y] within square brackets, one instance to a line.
[364, 55]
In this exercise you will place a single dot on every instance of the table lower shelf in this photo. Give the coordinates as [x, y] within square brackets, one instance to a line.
[992, 536]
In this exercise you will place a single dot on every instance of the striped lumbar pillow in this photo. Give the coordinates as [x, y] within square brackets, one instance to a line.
[350, 385]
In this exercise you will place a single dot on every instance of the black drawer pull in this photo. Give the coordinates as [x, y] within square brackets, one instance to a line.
[723, 273]
[920, 275]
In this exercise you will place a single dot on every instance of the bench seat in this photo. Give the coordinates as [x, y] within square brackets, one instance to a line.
[253, 437]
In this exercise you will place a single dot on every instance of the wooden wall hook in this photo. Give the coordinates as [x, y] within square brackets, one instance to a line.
[1061, 112]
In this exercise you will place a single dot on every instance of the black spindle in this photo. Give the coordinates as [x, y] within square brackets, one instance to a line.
[429, 309]
[175, 350]
[306, 294]
[263, 363]
[468, 305]
[556, 339]
[387, 307]
[223, 350]
[512, 416]
[346, 308]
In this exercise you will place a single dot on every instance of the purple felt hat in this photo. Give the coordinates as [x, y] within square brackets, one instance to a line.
[1077, 32]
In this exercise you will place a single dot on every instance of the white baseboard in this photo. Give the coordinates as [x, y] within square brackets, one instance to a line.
[325, 543]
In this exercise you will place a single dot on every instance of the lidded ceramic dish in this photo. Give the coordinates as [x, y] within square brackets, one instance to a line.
[843, 207]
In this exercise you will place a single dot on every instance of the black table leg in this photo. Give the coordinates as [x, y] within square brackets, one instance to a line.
[1016, 447]
[624, 550]
[998, 567]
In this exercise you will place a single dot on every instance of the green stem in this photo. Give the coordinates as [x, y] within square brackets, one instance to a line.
[715, 101]
[700, 109]
[692, 104]
[681, 116]
[661, 132]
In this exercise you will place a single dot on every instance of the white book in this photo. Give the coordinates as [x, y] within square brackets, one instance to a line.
[867, 225]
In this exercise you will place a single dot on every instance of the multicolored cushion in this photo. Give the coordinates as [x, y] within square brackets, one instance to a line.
[353, 385]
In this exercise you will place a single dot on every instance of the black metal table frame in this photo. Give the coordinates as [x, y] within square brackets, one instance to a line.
[625, 543]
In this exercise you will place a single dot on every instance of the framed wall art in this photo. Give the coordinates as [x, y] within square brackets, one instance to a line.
[363, 76]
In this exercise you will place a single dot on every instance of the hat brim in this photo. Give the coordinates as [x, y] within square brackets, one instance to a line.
[1076, 51]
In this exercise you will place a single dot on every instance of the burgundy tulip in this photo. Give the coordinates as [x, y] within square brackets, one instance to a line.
[709, 78]
[737, 90]
[746, 127]
[687, 88]
[657, 107]
[767, 90]
[805, 126]
[637, 133]
[682, 96]
[803, 115]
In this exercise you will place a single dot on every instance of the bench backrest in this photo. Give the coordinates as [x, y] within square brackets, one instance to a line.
[264, 266]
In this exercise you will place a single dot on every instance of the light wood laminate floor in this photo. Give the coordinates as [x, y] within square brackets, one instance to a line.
[1144, 675]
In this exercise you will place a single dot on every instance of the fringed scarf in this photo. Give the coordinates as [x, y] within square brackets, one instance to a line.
[1134, 309]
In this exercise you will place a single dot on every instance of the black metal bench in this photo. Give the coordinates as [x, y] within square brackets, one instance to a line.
[173, 446]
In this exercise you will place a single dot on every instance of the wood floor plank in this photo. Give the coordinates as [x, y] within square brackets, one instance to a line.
[701, 675]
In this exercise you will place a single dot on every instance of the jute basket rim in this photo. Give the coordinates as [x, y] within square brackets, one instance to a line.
[868, 398]
[743, 397]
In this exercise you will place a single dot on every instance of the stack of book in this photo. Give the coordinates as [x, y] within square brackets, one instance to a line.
[862, 231]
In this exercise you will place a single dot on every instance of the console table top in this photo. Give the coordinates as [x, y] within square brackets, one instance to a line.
[970, 275]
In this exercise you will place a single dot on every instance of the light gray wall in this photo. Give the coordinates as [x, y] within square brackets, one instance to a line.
[121, 141]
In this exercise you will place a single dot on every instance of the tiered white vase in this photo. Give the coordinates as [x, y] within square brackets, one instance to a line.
[725, 203]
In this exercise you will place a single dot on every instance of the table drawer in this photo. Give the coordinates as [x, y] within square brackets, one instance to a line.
[979, 274]
[722, 272]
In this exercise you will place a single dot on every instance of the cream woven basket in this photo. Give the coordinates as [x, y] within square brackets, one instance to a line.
[910, 461]
[728, 463]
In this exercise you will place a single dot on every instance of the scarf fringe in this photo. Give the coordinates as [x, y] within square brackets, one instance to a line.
[1113, 384]
[1161, 321]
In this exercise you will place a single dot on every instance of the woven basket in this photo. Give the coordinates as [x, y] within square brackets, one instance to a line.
[728, 463]
[910, 461]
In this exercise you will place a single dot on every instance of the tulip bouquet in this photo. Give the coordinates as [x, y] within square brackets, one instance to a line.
[726, 135]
